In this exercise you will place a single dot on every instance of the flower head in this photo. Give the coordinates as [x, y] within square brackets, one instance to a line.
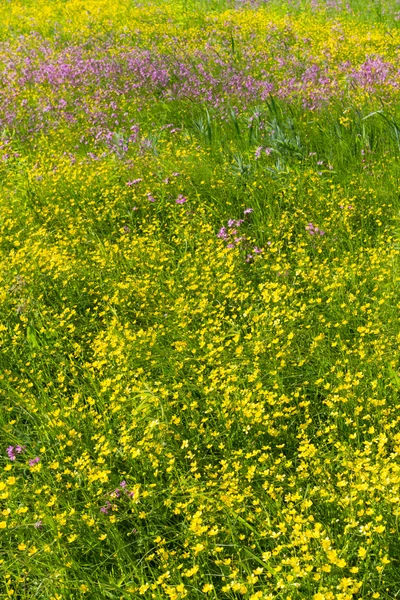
[10, 452]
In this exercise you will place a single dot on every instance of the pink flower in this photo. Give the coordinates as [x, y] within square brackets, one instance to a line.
[10, 452]
[34, 461]
[181, 199]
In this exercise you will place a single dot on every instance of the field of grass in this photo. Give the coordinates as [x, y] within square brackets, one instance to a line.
[199, 299]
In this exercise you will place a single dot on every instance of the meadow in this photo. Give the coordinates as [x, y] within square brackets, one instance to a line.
[199, 299]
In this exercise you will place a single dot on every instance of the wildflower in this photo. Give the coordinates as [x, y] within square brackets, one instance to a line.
[257, 250]
[222, 233]
[181, 199]
[126, 229]
[38, 524]
[150, 198]
[133, 182]
[106, 508]
[248, 211]
[34, 461]
[10, 452]
[123, 484]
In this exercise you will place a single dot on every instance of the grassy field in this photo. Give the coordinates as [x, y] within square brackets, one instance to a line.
[199, 299]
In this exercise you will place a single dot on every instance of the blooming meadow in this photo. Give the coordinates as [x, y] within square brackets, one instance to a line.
[199, 299]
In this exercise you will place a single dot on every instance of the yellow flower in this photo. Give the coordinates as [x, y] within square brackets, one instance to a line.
[362, 552]
[3, 524]
[21, 546]
[379, 529]
[207, 588]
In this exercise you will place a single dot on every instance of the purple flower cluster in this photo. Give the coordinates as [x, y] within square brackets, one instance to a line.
[314, 230]
[260, 149]
[12, 451]
[231, 235]
[117, 493]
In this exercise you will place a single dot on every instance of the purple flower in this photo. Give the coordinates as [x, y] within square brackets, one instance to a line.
[257, 250]
[150, 198]
[20, 449]
[133, 182]
[106, 508]
[10, 452]
[230, 246]
[231, 222]
[34, 461]
[131, 494]
[268, 151]
[181, 199]
[222, 233]
[135, 208]
[38, 525]
[247, 211]
[249, 258]
[310, 228]
[123, 484]
[126, 229]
